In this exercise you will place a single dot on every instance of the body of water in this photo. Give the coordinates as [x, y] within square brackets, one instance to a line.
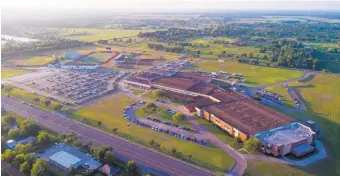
[20, 39]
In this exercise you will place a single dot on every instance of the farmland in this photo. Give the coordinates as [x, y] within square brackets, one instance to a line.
[9, 72]
[255, 75]
[92, 35]
[212, 157]
[322, 96]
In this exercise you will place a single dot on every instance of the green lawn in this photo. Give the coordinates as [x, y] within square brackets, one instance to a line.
[322, 98]
[109, 112]
[28, 98]
[263, 168]
[9, 72]
[173, 102]
[161, 114]
[96, 34]
[220, 134]
[285, 97]
[255, 75]
[38, 60]
[97, 58]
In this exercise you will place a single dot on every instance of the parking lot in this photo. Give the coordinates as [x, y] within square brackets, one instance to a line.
[73, 86]
[162, 126]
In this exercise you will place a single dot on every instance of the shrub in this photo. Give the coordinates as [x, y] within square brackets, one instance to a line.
[178, 116]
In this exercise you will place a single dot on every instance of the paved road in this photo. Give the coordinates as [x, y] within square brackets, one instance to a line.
[142, 156]
[240, 161]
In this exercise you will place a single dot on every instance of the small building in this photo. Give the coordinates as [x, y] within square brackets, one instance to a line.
[294, 138]
[79, 66]
[28, 140]
[11, 144]
[63, 160]
[109, 170]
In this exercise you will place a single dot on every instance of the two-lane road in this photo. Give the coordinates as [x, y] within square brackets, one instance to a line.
[142, 156]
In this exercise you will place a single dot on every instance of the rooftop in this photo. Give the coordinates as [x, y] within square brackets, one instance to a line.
[286, 134]
[226, 96]
[65, 159]
[78, 64]
[203, 88]
[199, 101]
[148, 76]
[177, 83]
[248, 116]
[192, 76]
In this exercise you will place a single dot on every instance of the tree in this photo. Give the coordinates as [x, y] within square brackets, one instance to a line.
[265, 57]
[8, 90]
[10, 120]
[25, 168]
[173, 151]
[28, 128]
[23, 148]
[150, 105]
[47, 103]
[252, 144]
[178, 116]
[8, 155]
[58, 107]
[44, 138]
[189, 156]
[199, 52]
[18, 160]
[14, 133]
[99, 123]
[251, 55]
[71, 169]
[36, 100]
[39, 168]
[157, 93]
[315, 62]
[131, 168]
[109, 157]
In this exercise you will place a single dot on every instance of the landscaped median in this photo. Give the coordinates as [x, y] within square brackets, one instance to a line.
[107, 115]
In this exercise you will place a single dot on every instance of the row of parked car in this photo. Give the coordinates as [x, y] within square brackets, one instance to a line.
[169, 124]
[140, 123]
[269, 96]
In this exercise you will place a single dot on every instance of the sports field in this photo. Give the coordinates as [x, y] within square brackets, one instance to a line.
[109, 112]
[322, 98]
[91, 34]
[36, 61]
[255, 75]
[9, 72]
[97, 58]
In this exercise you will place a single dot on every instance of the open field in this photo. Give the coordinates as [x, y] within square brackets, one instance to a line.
[9, 72]
[109, 112]
[221, 135]
[28, 98]
[161, 114]
[38, 60]
[91, 35]
[285, 97]
[321, 94]
[173, 102]
[255, 75]
[97, 58]
[261, 168]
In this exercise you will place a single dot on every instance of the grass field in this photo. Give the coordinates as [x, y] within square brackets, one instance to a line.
[109, 112]
[161, 114]
[173, 102]
[9, 72]
[285, 97]
[28, 98]
[322, 98]
[38, 60]
[263, 168]
[223, 136]
[96, 34]
[97, 58]
[255, 75]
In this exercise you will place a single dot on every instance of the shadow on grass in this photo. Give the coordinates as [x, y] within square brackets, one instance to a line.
[309, 78]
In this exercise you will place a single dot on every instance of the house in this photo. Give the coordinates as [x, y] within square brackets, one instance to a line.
[11, 144]
[109, 170]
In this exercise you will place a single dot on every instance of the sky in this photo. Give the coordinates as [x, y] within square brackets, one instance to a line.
[174, 4]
